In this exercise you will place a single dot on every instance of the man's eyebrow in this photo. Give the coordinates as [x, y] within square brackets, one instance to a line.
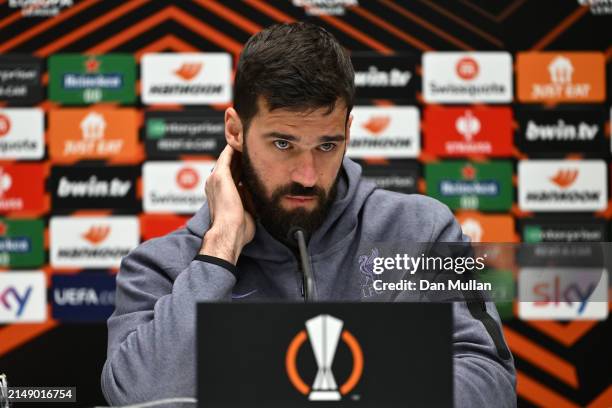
[278, 135]
[334, 138]
[292, 138]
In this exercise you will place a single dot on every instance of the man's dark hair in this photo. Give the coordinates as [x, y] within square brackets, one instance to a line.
[298, 66]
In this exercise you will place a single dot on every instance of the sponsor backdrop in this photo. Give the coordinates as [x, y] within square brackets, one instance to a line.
[111, 116]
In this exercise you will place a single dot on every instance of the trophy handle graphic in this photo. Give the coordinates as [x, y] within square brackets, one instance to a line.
[324, 333]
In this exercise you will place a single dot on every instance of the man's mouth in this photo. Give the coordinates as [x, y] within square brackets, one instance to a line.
[297, 199]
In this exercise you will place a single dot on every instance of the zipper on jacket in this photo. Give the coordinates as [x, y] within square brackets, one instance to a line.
[300, 278]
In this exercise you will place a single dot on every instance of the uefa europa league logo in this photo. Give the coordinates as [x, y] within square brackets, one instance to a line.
[324, 333]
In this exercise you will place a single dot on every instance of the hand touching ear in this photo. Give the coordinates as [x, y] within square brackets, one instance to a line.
[232, 226]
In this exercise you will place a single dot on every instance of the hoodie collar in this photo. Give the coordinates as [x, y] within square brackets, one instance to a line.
[340, 222]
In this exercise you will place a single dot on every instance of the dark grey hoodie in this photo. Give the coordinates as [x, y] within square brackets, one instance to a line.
[151, 334]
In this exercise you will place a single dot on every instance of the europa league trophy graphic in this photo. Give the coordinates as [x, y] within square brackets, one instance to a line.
[324, 334]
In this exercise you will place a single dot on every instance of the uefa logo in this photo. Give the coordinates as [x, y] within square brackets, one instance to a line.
[324, 333]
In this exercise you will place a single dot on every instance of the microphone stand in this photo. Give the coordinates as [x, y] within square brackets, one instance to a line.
[299, 235]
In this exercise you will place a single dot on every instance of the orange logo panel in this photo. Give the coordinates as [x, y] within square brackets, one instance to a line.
[487, 228]
[93, 134]
[553, 77]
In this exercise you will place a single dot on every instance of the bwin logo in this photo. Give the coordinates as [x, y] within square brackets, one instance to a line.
[324, 332]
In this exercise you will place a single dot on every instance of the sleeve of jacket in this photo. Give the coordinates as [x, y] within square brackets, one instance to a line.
[151, 334]
[484, 373]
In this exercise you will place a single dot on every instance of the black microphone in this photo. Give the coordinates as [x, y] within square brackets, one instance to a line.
[297, 234]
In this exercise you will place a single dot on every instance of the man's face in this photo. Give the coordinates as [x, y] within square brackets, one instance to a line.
[291, 162]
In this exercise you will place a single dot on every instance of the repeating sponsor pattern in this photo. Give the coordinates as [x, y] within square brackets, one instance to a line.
[559, 363]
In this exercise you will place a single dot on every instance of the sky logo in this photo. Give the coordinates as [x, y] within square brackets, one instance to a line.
[23, 297]
[12, 300]
[563, 293]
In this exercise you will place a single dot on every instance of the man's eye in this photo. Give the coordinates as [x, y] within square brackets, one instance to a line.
[281, 144]
[327, 147]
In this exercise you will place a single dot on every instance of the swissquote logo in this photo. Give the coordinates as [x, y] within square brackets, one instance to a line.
[187, 178]
[21, 133]
[557, 185]
[186, 78]
[467, 68]
[5, 125]
[174, 186]
[460, 77]
[391, 132]
[94, 242]
[561, 77]
[324, 332]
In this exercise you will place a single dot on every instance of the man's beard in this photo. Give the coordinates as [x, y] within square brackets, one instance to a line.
[277, 220]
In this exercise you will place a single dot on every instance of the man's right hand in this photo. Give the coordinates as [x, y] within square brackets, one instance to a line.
[232, 226]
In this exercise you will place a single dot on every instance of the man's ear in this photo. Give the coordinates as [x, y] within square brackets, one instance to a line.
[234, 135]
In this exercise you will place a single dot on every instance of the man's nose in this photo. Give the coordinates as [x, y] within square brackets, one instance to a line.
[305, 171]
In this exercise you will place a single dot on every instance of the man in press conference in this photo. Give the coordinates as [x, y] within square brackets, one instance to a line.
[284, 166]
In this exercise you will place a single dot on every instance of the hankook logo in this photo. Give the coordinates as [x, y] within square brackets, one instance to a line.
[188, 71]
